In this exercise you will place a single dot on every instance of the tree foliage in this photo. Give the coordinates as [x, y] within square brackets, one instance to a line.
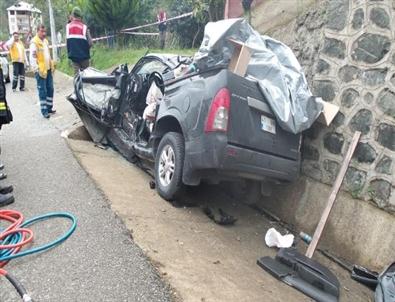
[113, 14]
[190, 30]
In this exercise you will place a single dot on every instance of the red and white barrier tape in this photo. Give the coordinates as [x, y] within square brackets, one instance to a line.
[128, 31]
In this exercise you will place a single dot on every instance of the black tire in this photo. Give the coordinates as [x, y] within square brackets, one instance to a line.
[175, 187]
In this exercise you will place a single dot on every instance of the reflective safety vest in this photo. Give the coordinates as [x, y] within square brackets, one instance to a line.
[77, 41]
[44, 64]
[17, 52]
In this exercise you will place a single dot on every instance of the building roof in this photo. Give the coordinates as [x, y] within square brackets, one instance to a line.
[24, 6]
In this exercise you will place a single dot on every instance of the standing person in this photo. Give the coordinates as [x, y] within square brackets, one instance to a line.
[161, 17]
[79, 41]
[43, 67]
[19, 59]
[59, 42]
[247, 9]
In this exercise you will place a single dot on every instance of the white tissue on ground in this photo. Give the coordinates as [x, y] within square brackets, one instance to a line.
[274, 238]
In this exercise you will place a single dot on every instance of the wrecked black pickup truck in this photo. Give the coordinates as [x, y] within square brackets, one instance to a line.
[208, 126]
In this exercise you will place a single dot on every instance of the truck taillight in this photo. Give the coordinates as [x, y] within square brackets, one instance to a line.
[218, 115]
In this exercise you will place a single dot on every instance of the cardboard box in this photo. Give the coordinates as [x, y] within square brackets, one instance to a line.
[328, 113]
[240, 58]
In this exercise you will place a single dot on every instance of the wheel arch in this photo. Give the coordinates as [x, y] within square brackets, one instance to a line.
[165, 124]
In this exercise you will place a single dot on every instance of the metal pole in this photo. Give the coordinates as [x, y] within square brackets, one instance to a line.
[53, 32]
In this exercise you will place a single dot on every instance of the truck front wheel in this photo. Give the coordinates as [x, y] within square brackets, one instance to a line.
[169, 164]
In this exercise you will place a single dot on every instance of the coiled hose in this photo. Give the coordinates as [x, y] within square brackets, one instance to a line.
[17, 235]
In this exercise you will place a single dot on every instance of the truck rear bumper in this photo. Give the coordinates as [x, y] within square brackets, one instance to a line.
[211, 156]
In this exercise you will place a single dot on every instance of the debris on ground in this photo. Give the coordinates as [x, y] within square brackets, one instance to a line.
[273, 238]
[365, 276]
[152, 184]
[304, 274]
[219, 216]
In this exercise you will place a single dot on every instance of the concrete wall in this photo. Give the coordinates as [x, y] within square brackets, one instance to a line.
[347, 49]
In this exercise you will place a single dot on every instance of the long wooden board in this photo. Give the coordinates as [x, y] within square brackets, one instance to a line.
[332, 197]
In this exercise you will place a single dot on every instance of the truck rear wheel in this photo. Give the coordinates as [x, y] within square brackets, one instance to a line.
[169, 163]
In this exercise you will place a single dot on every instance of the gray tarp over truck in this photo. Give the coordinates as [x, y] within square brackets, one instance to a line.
[273, 64]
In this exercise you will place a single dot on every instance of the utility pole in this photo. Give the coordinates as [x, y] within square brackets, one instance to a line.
[53, 32]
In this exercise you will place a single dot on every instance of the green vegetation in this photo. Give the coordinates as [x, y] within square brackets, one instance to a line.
[107, 16]
[104, 58]
[114, 14]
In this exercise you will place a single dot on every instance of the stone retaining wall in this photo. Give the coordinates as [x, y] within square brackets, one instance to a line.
[347, 48]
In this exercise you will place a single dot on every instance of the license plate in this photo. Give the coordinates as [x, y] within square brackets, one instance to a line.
[268, 124]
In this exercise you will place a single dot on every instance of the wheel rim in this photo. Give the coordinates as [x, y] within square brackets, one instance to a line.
[167, 163]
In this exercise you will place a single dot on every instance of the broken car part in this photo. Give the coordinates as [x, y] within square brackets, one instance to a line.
[303, 273]
[365, 276]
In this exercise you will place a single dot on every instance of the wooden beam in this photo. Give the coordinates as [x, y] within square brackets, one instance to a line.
[332, 197]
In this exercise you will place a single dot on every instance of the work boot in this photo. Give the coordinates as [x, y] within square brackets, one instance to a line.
[3, 176]
[6, 189]
[52, 111]
[6, 199]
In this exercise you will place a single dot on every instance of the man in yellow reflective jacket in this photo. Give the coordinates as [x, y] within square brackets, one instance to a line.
[19, 59]
[43, 67]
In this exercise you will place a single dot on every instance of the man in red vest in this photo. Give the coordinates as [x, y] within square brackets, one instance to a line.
[79, 41]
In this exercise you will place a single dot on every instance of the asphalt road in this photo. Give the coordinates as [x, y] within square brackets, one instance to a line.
[100, 262]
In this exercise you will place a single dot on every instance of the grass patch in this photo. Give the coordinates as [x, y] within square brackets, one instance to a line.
[103, 58]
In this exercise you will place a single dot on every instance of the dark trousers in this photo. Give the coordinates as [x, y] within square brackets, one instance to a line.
[45, 92]
[80, 66]
[19, 73]
[162, 39]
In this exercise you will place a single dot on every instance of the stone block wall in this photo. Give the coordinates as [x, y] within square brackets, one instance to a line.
[347, 48]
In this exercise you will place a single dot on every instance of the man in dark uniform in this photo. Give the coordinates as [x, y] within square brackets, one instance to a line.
[5, 118]
[78, 40]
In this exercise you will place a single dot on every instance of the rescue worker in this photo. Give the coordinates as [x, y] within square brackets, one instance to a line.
[43, 67]
[6, 197]
[79, 41]
[19, 59]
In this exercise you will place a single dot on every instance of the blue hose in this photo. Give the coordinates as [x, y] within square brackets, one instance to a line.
[6, 255]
